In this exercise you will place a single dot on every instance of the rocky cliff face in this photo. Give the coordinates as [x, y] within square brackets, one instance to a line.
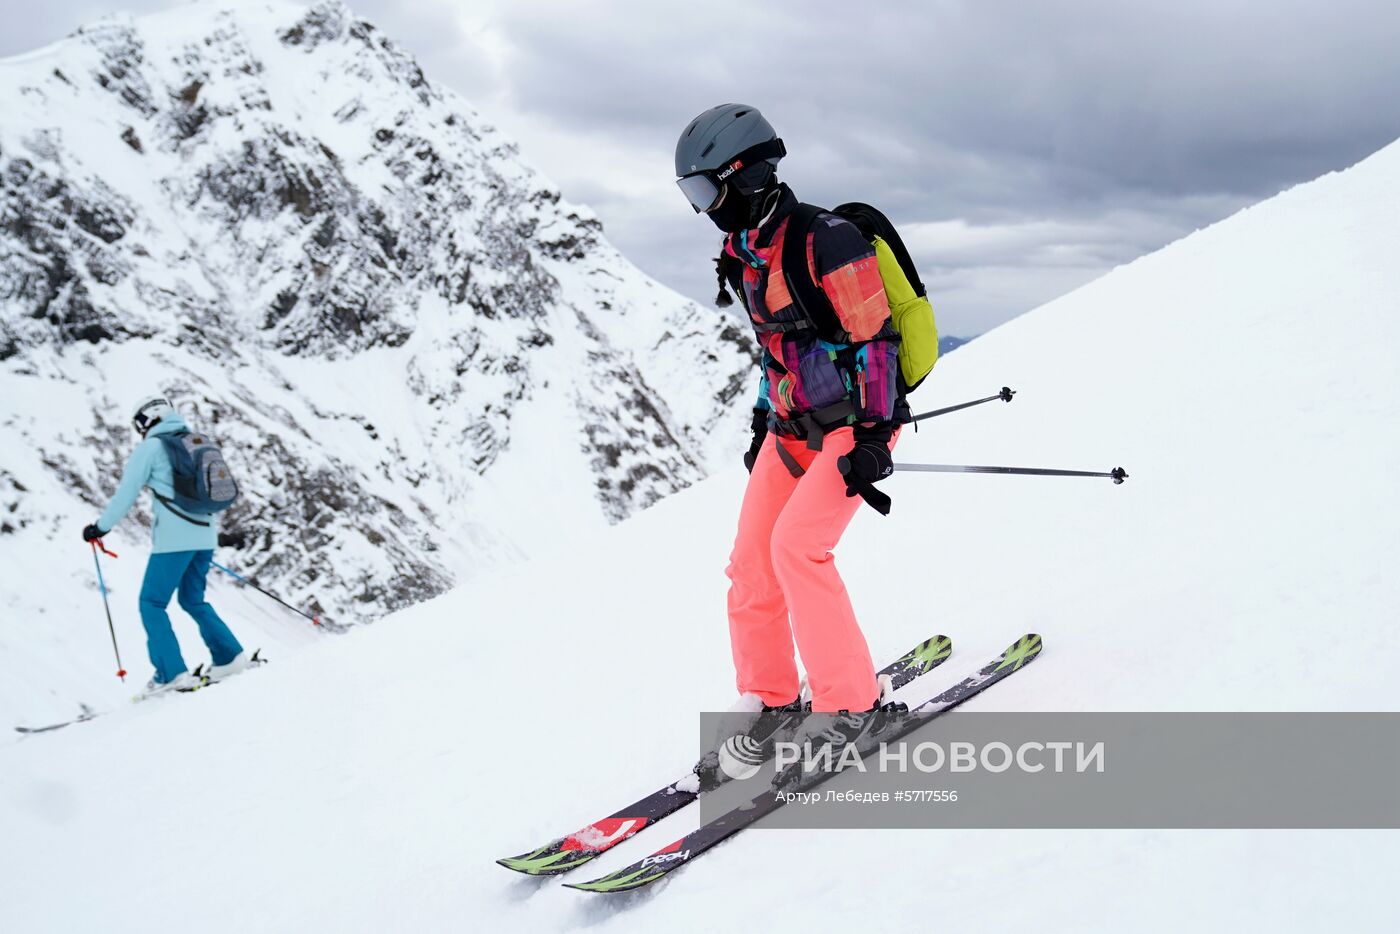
[421, 361]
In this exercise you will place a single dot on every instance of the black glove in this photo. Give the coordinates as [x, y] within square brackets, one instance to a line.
[760, 434]
[868, 463]
[92, 533]
[232, 539]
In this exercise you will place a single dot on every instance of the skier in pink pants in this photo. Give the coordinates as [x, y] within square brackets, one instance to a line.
[782, 569]
[824, 420]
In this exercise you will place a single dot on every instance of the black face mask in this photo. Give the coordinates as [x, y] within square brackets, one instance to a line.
[744, 197]
[733, 213]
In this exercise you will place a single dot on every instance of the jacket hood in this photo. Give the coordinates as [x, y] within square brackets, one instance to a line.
[169, 424]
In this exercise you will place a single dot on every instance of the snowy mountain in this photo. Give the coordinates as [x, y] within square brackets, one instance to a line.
[353, 789]
[947, 343]
[422, 362]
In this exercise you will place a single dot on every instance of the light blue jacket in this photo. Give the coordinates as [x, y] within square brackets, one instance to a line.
[149, 466]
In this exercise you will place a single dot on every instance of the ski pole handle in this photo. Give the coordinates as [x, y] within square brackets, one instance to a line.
[1005, 396]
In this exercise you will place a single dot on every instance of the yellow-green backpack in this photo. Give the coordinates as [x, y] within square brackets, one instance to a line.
[909, 305]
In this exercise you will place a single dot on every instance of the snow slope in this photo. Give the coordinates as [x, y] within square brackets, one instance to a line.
[1247, 564]
[419, 358]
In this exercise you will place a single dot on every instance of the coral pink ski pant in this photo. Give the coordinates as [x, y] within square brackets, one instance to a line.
[784, 585]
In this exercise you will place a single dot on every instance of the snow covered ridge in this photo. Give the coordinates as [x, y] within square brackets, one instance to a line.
[420, 359]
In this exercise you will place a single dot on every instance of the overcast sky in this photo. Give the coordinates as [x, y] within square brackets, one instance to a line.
[1023, 146]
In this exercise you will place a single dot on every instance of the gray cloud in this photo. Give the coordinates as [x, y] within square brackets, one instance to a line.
[1110, 128]
[1028, 146]
[31, 25]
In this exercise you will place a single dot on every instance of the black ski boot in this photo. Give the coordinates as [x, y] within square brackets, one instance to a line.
[745, 750]
[861, 729]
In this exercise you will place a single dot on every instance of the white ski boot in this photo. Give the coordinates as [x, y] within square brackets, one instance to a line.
[184, 681]
[240, 662]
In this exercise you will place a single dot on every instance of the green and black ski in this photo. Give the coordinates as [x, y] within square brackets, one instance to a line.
[670, 858]
[577, 848]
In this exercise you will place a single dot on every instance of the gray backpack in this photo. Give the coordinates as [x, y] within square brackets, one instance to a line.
[203, 483]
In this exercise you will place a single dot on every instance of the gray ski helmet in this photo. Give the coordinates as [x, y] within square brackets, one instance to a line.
[719, 142]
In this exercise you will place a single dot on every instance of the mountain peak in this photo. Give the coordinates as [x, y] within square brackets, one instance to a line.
[418, 355]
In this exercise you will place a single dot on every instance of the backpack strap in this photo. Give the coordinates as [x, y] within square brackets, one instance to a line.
[790, 462]
[774, 327]
[171, 443]
[815, 425]
[872, 223]
[808, 296]
[170, 504]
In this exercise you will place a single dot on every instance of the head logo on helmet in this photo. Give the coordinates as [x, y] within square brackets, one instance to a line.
[730, 169]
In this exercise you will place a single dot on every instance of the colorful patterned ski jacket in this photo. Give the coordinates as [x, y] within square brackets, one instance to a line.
[802, 373]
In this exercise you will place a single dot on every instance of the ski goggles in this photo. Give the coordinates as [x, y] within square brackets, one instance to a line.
[143, 421]
[704, 189]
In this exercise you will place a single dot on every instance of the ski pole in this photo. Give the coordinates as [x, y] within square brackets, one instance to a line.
[102, 586]
[1005, 396]
[1117, 474]
[243, 580]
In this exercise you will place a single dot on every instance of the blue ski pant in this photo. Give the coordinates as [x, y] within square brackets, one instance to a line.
[182, 572]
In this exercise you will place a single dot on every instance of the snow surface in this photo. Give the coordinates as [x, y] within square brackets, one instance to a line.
[1245, 377]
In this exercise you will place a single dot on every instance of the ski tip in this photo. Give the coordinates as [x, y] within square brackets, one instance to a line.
[618, 882]
[516, 864]
[1021, 652]
[521, 865]
[923, 657]
[546, 861]
[597, 887]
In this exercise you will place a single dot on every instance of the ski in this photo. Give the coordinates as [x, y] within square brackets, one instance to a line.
[87, 713]
[572, 851]
[670, 858]
[201, 676]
